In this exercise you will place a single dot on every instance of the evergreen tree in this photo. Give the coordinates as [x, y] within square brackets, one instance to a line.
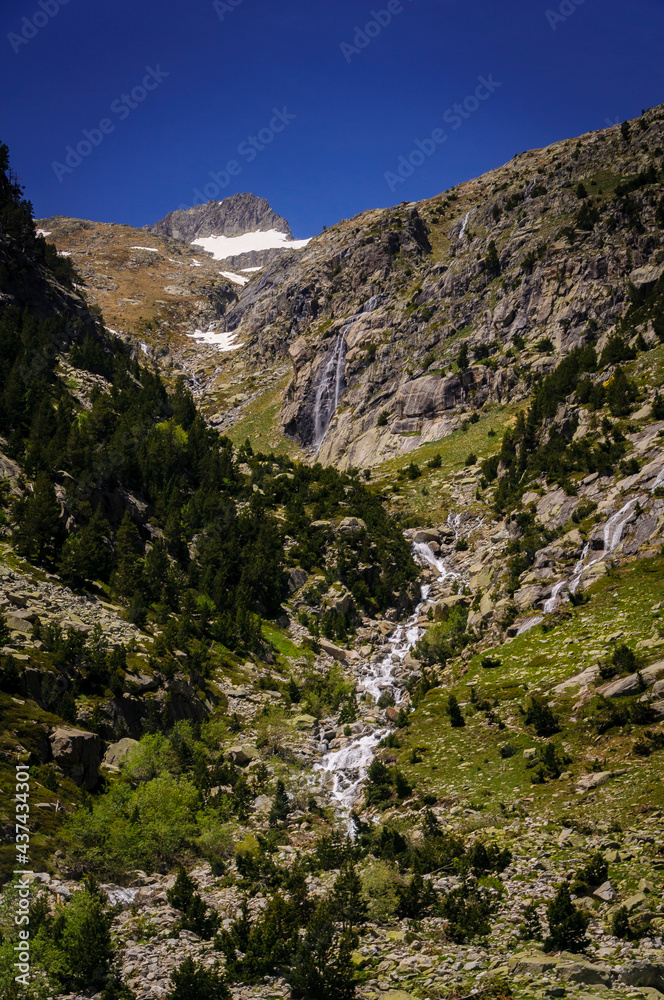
[281, 806]
[191, 981]
[567, 924]
[84, 933]
[39, 525]
[531, 927]
[462, 357]
[456, 718]
[86, 554]
[127, 548]
[323, 967]
[5, 633]
[492, 261]
[657, 411]
[349, 904]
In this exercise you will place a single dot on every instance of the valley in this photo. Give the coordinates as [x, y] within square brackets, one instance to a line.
[332, 598]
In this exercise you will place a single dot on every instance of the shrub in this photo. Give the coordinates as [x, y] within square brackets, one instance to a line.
[590, 875]
[383, 417]
[567, 924]
[281, 806]
[380, 883]
[437, 461]
[413, 471]
[471, 459]
[541, 717]
[85, 937]
[461, 545]
[415, 898]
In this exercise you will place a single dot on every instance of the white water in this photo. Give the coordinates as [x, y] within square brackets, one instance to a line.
[465, 223]
[331, 379]
[348, 767]
[612, 536]
[328, 391]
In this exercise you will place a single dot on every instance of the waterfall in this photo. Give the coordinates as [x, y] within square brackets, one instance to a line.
[465, 223]
[330, 382]
[348, 767]
[612, 536]
[329, 388]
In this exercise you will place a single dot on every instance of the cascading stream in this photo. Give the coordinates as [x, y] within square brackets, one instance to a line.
[348, 766]
[612, 534]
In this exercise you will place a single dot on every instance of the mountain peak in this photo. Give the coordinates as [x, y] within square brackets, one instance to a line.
[218, 226]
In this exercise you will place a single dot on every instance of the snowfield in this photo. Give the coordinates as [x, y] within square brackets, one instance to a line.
[222, 247]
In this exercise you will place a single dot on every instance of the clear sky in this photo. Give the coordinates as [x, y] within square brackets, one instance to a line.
[182, 86]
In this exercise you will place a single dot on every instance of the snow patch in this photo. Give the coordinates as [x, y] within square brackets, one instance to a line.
[222, 247]
[151, 249]
[224, 341]
[251, 270]
[42, 232]
[237, 278]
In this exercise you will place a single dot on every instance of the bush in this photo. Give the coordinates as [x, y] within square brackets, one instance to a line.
[191, 981]
[541, 717]
[567, 924]
[471, 459]
[380, 883]
[590, 876]
[383, 418]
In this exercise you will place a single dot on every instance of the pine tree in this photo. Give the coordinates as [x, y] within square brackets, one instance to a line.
[281, 806]
[456, 718]
[5, 633]
[567, 924]
[39, 525]
[86, 554]
[323, 966]
[85, 938]
[492, 260]
[192, 981]
[127, 548]
[349, 904]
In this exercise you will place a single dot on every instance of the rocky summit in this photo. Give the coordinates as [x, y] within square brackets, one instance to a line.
[332, 593]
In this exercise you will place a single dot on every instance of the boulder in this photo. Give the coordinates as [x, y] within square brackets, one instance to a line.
[78, 754]
[334, 651]
[242, 755]
[582, 971]
[348, 527]
[606, 893]
[305, 722]
[590, 781]
[391, 713]
[426, 535]
[297, 579]
[117, 753]
[641, 972]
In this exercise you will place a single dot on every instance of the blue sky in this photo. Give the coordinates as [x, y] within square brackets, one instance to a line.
[200, 81]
